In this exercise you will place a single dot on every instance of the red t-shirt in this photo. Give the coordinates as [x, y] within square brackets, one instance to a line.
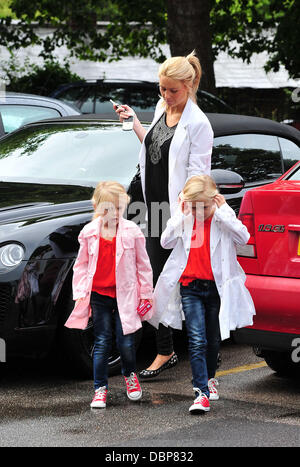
[104, 282]
[198, 265]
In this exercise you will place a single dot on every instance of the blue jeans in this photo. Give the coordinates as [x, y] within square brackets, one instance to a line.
[105, 313]
[201, 305]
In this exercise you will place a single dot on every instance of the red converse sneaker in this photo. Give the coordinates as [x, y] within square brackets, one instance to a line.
[213, 393]
[99, 400]
[201, 403]
[134, 391]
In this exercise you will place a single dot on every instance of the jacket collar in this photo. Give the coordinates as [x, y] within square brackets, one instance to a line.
[93, 227]
[184, 117]
[215, 234]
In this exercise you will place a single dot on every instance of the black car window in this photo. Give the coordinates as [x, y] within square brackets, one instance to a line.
[94, 97]
[70, 152]
[290, 153]
[139, 98]
[81, 96]
[210, 104]
[14, 116]
[87, 101]
[255, 157]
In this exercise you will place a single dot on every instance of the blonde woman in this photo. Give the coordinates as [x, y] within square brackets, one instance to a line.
[176, 146]
[203, 273]
[112, 276]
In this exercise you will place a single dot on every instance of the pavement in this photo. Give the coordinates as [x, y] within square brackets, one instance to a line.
[42, 406]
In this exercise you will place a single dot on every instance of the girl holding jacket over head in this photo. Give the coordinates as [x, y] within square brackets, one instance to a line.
[203, 275]
[176, 146]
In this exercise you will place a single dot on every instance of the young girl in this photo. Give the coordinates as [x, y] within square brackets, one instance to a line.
[112, 276]
[203, 274]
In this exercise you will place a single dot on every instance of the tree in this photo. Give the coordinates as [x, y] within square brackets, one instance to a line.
[244, 27]
[139, 27]
[188, 28]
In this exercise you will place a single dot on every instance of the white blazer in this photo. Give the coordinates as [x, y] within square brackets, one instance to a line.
[190, 149]
[237, 308]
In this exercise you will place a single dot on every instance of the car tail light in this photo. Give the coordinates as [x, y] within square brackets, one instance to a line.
[246, 215]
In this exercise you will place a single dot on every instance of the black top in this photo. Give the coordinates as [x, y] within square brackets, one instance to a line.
[157, 143]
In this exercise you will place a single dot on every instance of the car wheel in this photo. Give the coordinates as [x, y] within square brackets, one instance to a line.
[78, 347]
[282, 363]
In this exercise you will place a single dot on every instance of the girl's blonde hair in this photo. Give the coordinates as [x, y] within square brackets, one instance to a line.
[109, 192]
[186, 69]
[199, 188]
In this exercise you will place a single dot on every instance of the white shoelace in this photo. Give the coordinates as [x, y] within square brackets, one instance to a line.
[100, 391]
[132, 381]
[200, 395]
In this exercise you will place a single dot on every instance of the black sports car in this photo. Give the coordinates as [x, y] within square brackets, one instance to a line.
[48, 171]
[90, 96]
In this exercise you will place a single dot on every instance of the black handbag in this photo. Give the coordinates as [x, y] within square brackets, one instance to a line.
[136, 195]
[135, 187]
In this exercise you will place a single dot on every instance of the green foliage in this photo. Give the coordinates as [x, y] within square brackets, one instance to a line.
[141, 33]
[244, 27]
[5, 8]
[35, 79]
[139, 28]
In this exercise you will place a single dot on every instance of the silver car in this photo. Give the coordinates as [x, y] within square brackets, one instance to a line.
[17, 109]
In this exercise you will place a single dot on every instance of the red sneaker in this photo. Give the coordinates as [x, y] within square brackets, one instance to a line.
[201, 403]
[134, 391]
[99, 400]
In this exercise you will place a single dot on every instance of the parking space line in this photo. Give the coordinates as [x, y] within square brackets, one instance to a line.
[238, 369]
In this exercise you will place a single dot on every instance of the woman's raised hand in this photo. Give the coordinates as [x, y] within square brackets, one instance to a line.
[124, 111]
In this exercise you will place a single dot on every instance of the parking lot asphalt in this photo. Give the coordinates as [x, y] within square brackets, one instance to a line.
[41, 405]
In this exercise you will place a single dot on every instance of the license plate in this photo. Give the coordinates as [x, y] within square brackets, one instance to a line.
[298, 252]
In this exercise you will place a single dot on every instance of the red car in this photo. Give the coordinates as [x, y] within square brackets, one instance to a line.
[271, 261]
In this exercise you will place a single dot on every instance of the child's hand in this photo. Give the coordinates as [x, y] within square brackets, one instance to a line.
[184, 205]
[219, 200]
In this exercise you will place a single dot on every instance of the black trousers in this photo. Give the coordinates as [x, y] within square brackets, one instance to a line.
[158, 256]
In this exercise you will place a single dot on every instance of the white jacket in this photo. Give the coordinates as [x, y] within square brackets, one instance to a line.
[237, 308]
[190, 149]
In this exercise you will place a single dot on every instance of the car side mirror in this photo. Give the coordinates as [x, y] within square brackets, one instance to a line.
[228, 182]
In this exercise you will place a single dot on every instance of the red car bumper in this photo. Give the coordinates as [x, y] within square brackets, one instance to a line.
[277, 303]
[277, 320]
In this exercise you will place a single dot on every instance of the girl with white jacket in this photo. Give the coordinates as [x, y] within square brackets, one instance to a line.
[203, 278]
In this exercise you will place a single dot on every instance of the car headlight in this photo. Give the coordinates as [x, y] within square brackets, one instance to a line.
[11, 255]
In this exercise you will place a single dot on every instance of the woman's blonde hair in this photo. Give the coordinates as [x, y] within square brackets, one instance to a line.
[109, 192]
[199, 188]
[186, 69]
